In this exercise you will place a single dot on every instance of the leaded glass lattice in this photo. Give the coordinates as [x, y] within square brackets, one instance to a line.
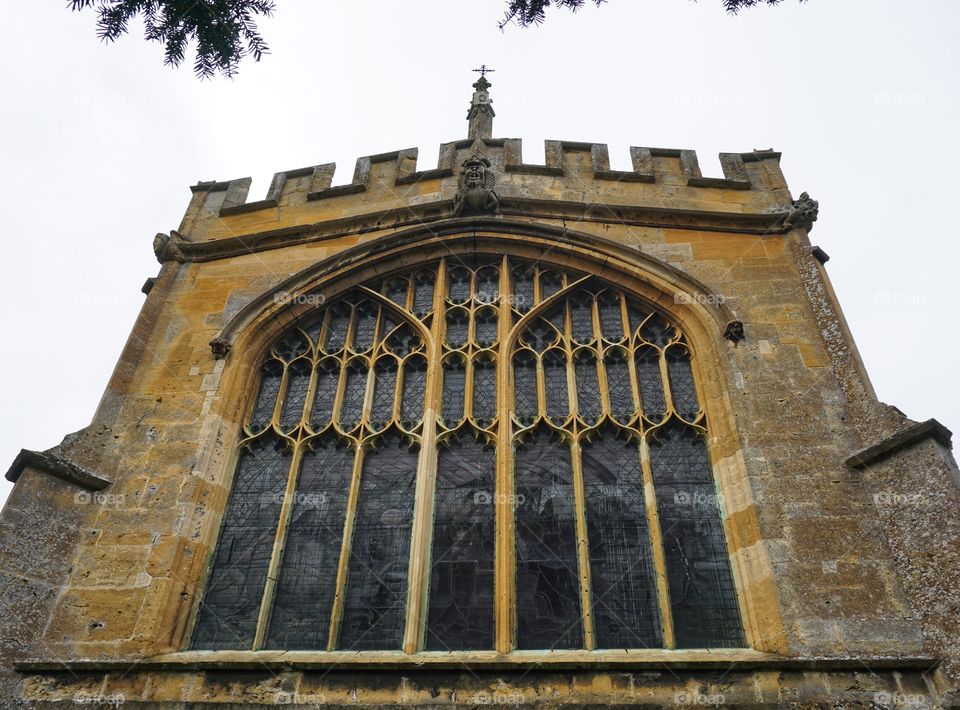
[305, 590]
[231, 602]
[461, 568]
[377, 578]
[548, 593]
[545, 418]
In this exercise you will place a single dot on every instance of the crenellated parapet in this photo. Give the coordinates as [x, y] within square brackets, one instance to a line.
[664, 179]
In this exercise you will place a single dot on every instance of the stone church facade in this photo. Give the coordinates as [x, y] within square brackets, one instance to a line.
[494, 432]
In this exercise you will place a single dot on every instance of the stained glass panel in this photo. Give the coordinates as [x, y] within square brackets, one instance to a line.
[459, 285]
[611, 317]
[657, 331]
[271, 375]
[550, 283]
[404, 341]
[525, 387]
[581, 316]
[637, 316]
[588, 387]
[423, 294]
[619, 389]
[540, 335]
[383, 392]
[523, 288]
[616, 544]
[337, 328]
[414, 382]
[457, 327]
[328, 373]
[486, 327]
[557, 317]
[375, 602]
[555, 380]
[231, 603]
[548, 590]
[681, 382]
[454, 386]
[291, 346]
[651, 384]
[702, 596]
[365, 324]
[353, 395]
[488, 284]
[484, 392]
[308, 573]
[625, 611]
[461, 585]
[298, 382]
[397, 291]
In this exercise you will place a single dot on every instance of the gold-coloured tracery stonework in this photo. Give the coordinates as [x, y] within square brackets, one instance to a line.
[484, 455]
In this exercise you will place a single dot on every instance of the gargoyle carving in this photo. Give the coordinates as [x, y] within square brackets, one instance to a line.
[803, 213]
[475, 194]
[734, 331]
[165, 248]
[220, 348]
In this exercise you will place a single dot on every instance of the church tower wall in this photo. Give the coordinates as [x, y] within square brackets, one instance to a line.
[838, 511]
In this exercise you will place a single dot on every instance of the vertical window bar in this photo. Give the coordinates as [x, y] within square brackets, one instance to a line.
[336, 614]
[505, 557]
[656, 544]
[579, 496]
[414, 629]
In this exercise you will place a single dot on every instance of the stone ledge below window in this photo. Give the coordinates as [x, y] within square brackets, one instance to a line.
[693, 659]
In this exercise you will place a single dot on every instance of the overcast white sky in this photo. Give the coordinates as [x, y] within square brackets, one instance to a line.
[100, 143]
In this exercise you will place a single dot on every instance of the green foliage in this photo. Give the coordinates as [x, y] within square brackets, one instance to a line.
[224, 30]
[533, 12]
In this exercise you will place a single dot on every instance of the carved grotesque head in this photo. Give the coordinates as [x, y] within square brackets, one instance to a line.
[475, 194]
[475, 172]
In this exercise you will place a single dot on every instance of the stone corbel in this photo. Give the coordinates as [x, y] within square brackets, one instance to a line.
[166, 247]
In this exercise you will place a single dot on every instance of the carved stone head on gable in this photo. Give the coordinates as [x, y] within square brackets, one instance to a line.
[475, 193]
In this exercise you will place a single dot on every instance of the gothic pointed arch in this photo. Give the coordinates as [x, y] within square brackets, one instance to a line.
[491, 439]
[653, 278]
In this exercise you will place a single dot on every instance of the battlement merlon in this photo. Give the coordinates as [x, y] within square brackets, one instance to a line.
[660, 177]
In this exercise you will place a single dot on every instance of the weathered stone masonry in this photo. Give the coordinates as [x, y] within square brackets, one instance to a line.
[841, 514]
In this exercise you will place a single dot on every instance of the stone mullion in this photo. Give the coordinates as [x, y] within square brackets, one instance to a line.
[418, 576]
[665, 380]
[339, 599]
[579, 494]
[505, 593]
[656, 546]
[631, 347]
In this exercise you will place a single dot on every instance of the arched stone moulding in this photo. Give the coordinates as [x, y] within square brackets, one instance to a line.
[680, 297]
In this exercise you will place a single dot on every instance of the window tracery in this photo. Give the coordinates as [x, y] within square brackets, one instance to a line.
[485, 454]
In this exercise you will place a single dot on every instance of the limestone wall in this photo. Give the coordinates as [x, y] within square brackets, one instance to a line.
[836, 589]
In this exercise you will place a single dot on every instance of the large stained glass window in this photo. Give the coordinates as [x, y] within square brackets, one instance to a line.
[485, 454]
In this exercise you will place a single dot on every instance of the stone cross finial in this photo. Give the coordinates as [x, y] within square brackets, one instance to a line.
[480, 116]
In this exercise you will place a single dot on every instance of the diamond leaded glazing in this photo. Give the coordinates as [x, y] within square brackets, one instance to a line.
[503, 392]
